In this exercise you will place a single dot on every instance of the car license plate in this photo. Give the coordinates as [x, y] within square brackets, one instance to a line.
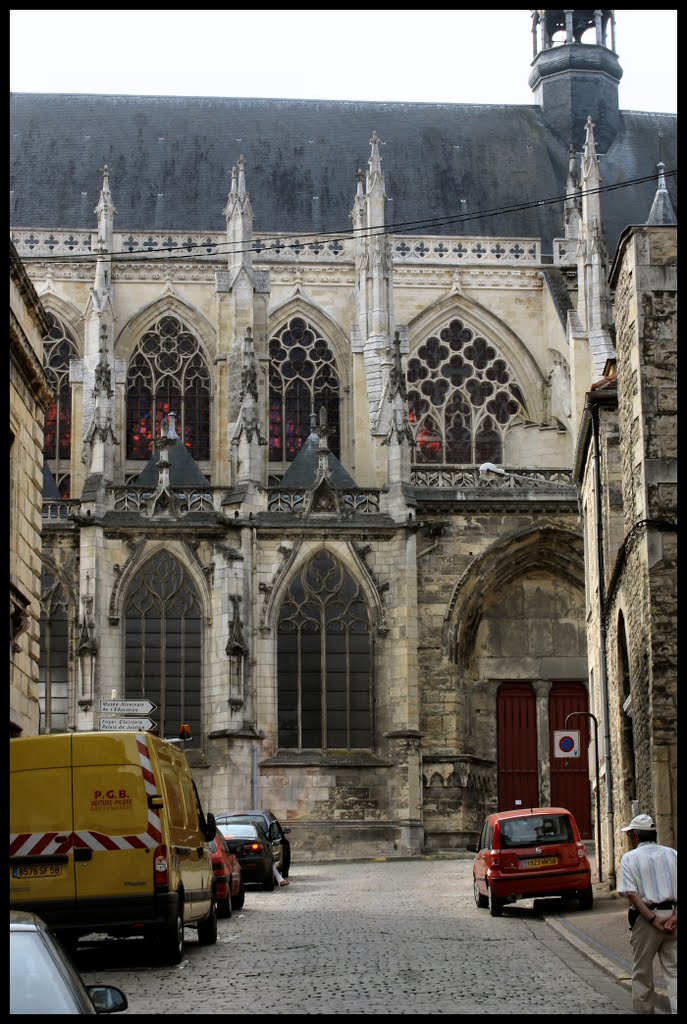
[37, 870]
[540, 862]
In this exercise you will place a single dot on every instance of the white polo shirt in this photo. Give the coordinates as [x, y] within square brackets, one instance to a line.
[651, 871]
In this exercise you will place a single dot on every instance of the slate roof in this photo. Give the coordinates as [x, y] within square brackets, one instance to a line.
[184, 471]
[169, 160]
[303, 469]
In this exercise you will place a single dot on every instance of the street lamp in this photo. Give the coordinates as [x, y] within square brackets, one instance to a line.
[588, 714]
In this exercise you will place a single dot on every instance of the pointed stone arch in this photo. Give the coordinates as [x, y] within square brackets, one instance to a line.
[142, 552]
[294, 560]
[325, 654]
[164, 638]
[68, 313]
[299, 305]
[131, 333]
[551, 548]
[495, 330]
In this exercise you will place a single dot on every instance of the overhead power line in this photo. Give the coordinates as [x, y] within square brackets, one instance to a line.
[306, 238]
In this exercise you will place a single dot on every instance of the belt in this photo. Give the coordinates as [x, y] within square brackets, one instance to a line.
[666, 905]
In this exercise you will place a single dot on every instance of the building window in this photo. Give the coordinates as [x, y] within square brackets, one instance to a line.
[303, 379]
[462, 398]
[324, 661]
[59, 348]
[168, 373]
[163, 636]
[53, 662]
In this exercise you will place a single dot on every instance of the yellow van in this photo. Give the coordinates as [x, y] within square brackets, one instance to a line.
[107, 835]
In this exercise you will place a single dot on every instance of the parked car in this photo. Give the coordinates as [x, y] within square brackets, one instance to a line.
[249, 843]
[43, 980]
[529, 853]
[281, 847]
[229, 887]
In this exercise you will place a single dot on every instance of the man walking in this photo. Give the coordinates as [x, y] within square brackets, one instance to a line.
[648, 877]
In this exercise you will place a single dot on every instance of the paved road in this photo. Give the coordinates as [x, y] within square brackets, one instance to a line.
[395, 937]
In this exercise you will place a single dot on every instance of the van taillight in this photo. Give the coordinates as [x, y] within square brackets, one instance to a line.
[161, 866]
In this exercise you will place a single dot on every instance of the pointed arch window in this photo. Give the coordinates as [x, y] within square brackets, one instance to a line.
[163, 637]
[53, 659]
[324, 661]
[462, 398]
[59, 348]
[168, 373]
[303, 379]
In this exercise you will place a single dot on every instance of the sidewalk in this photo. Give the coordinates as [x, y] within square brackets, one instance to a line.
[602, 934]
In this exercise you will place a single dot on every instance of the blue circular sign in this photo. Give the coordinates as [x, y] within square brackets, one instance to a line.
[566, 743]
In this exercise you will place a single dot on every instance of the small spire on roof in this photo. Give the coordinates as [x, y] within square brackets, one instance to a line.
[662, 211]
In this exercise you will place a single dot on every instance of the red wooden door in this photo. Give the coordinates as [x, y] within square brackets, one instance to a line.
[516, 735]
[570, 776]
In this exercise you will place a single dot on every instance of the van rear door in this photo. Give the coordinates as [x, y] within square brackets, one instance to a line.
[41, 822]
[115, 829]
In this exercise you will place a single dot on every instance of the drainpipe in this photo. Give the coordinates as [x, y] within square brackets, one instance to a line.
[603, 676]
[254, 775]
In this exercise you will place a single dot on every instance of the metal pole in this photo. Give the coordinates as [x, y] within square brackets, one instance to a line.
[588, 714]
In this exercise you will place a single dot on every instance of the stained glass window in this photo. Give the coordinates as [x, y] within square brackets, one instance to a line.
[303, 379]
[324, 661]
[53, 661]
[59, 348]
[168, 373]
[163, 637]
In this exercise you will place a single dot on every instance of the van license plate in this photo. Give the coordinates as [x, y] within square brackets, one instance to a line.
[540, 862]
[37, 871]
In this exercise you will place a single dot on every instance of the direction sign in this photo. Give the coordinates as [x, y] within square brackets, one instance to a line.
[566, 743]
[126, 724]
[127, 707]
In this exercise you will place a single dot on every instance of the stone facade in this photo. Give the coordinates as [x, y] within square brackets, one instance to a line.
[630, 516]
[429, 528]
[30, 397]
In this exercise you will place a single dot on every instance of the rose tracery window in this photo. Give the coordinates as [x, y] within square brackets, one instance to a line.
[168, 373]
[462, 398]
[303, 379]
[162, 649]
[59, 348]
[324, 661]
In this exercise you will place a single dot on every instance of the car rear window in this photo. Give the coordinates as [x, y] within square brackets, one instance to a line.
[238, 831]
[535, 830]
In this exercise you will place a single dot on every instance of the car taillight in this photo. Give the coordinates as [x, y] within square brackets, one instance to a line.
[581, 851]
[161, 866]
[255, 846]
[495, 858]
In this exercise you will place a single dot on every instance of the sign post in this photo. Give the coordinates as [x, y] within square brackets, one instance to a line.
[588, 714]
[124, 708]
[114, 724]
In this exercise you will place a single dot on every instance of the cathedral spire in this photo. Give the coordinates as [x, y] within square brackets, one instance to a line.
[105, 211]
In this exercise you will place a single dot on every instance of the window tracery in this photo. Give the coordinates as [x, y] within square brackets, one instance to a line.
[462, 398]
[59, 348]
[168, 373]
[162, 647]
[303, 379]
[53, 661]
[324, 660]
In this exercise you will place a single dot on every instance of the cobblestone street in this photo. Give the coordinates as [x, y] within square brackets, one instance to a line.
[401, 937]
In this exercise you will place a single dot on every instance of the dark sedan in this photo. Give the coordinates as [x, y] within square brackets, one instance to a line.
[281, 847]
[253, 850]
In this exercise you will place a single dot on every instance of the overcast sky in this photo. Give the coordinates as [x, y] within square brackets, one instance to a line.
[414, 56]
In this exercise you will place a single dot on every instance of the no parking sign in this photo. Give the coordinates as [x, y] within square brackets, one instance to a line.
[566, 743]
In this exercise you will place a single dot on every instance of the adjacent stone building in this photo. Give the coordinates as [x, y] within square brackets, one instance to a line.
[312, 447]
[626, 465]
[30, 398]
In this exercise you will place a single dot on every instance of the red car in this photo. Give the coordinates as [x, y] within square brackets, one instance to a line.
[528, 853]
[229, 890]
